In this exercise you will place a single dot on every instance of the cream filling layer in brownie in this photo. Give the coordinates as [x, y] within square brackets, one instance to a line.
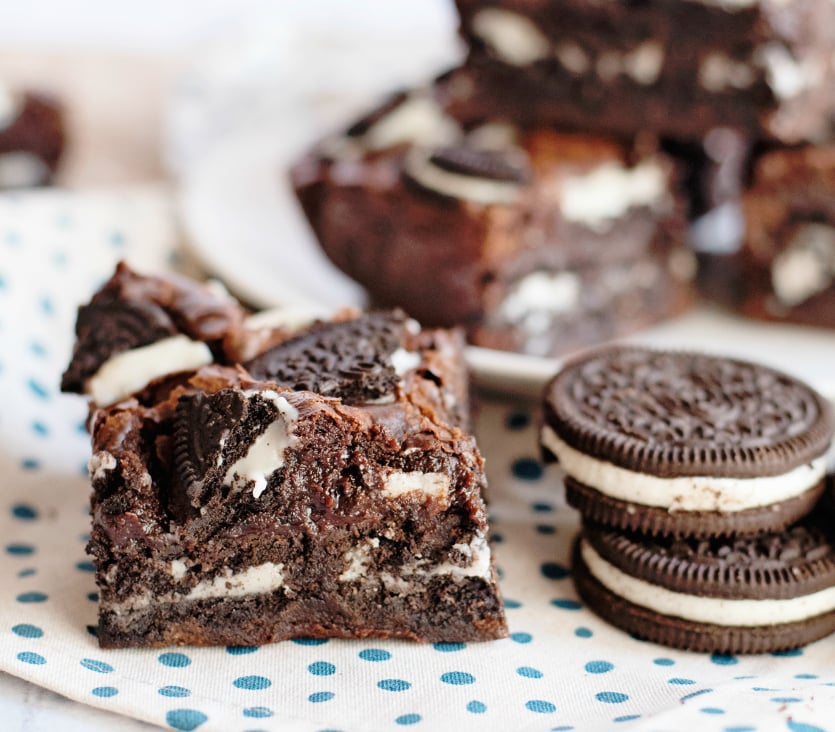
[714, 610]
[129, 371]
[257, 580]
[684, 493]
[266, 454]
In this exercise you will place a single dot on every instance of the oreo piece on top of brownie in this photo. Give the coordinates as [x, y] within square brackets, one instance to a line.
[138, 328]
[756, 594]
[686, 444]
[240, 511]
[31, 138]
[763, 67]
[559, 240]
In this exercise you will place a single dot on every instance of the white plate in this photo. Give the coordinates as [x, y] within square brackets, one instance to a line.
[245, 227]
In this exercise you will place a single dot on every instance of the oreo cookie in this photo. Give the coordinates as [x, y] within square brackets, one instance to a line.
[685, 443]
[358, 361]
[759, 594]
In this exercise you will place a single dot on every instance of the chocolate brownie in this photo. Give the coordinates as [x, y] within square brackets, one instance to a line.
[138, 328]
[762, 67]
[785, 268]
[533, 240]
[686, 444]
[332, 496]
[770, 592]
[31, 138]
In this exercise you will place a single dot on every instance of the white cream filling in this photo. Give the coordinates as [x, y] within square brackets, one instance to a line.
[806, 266]
[21, 169]
[419, 119]
[100, 463]
[553, 293]
[597, 198]
[288, 317]
[719, 72]
[358, 559]
[455, 185]
[266, 454]
[129, 371]
[714, 610]
[513, 37]
[685, 493]
[434, 485]
[787, 76]
[405, 361]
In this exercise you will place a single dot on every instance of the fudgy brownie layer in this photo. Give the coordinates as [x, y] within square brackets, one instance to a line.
[479, 209]
[291, 514]
[616, 67]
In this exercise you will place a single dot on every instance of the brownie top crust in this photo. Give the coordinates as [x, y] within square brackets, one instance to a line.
[131, 311]
[686, 414]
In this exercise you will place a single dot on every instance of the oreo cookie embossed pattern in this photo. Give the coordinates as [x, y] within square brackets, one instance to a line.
[687, 470]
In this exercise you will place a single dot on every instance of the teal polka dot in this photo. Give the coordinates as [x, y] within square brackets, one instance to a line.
[554, 571]
[511, 604]
[374, 654]
[458, 678]
[449, 647]
[546, 529]
[405, 719]
[30, 597]
[310, 641]
[803, 727]
[36, 659]
[540, 706]
[252, 683]
[240, 650]
[680, 682]
[740, 729]
[695, 694]
[791, 653]
[85, 566]
[663, 662]
[567, 604]
[529, 673]
[258, 712]
[611, 697]
[29, 572]
[174, 660]
[394, 685]
[321, 696]
[711, 710]
[20, 550]
[517, 420]
[526, 468]
[599, 667]
[723, 660]
[805, 676]
[476, 707]
[627, 718]
[24, 512]
[322, 668]
[38, 389]
[24, 630]
[105, 691]
[99, 667]
[40, 429]
[30, 463]
[93, 596]
[185, 719]
[786, 699]
[521, 637]
[542, 507]
[583, 633]
[178, 692]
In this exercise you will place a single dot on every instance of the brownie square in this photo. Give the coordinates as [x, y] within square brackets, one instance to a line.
[324, 487]
[679, 67]
[535, 241]
[31, 138]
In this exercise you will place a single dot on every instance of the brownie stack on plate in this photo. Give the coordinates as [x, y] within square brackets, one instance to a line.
[493, 197]
[698, 479]
[258, 478]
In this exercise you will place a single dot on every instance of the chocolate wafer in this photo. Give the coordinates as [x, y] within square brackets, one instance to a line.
[685, 443]
[765, 593]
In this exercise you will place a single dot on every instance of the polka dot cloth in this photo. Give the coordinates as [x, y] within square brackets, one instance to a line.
[561, 668]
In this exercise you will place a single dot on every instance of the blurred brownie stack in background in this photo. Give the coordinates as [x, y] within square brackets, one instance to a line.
[538, 194]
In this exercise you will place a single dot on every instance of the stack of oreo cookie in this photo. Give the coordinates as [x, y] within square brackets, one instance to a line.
[699, 482]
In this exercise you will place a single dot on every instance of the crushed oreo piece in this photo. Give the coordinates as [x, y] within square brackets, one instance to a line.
[104, 329]
[488, 164]
[351, 360]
